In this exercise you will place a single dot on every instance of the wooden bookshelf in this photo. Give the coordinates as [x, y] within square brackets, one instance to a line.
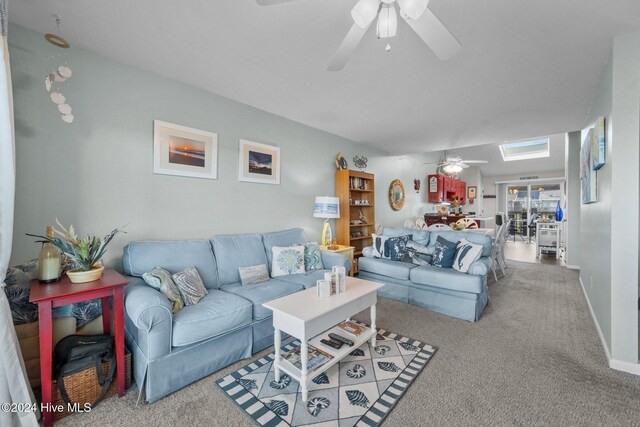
[356, 192]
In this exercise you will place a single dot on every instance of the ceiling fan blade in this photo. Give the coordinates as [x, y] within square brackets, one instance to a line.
[270, 2]
[462, 165]
[434, 34]
[347, 47]
[475, 161]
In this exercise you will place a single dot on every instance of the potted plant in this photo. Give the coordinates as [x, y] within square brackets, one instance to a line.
[85, 252]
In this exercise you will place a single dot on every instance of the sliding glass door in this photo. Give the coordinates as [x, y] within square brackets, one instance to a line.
[527, 203]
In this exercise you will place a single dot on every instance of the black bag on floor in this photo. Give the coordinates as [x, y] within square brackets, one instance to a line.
[76, 353]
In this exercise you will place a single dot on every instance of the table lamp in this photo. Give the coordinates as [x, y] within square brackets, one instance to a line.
[327, 208]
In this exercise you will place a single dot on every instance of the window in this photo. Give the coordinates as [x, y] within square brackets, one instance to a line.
[524, 150]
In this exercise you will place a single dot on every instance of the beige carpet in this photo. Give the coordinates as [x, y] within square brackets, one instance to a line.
[534, 358]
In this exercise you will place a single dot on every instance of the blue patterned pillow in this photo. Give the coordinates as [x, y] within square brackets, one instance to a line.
[287, 260]
[160, 280]
[395, 248]
[444, 253]
[312, 257]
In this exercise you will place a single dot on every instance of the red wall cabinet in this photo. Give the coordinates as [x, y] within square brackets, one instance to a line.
[442, 188]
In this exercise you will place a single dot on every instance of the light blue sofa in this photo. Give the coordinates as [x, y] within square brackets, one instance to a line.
[443, 290]
[171, 351]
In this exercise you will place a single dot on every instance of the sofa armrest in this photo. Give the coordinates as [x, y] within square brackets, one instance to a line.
[479, 267]
[149, 313]
[332, 259]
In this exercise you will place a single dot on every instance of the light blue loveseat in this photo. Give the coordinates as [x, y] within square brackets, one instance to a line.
[171, 351]
[443, 290]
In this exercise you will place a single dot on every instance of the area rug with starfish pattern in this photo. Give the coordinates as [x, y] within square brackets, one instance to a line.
[360, 390]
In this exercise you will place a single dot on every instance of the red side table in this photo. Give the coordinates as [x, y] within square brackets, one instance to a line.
[49, 296]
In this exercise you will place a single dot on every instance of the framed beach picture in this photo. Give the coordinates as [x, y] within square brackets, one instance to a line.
[598, 145]
[183, 151]
[587, 174]
[259, 162]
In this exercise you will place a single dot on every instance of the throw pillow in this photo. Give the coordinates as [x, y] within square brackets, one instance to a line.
[444, 253]
[379, 246]
[190, 285]
[419, 249]
[160, 279]
[466, 254]
[312, 257]
[396, 247]
[253, 274]
[289, 260]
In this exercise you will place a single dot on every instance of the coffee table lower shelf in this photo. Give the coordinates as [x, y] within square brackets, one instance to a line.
[281, 364]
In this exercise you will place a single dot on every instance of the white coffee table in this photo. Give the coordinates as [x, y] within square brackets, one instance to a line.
[305, 316]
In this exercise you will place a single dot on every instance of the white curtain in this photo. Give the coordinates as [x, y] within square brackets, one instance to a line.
[14, 385]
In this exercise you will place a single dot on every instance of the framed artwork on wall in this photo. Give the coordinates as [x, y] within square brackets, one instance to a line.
[472, 192]
[183, 151]
[259, 163]
[587, 174]
[598, 145]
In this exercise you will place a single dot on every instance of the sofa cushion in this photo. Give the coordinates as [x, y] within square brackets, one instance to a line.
[161, 280]
[386, 267]
[190, 285]
[172, 255]
[466, 254]
[263, 292]
[474, 237]
[287, 260]
[217, 313]
[446, 278]
[444, 253]
[308, 280]
[419, 236]
[237, 250]
[294, 236]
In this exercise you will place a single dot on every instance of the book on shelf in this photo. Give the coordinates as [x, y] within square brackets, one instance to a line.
[315, 358]
[352, 328]
[357, 183]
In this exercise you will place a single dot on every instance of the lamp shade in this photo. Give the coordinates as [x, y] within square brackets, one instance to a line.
[327, 207]
[387, 21]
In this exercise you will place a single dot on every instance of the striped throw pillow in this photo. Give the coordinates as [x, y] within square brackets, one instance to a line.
[160, 279]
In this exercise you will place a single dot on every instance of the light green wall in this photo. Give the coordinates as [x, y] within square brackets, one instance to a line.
[610, 228]
[595, 218]
[97, 173]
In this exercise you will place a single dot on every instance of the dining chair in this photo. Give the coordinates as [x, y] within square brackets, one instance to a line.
[409, 224]
[378, 227]
[496, 252]
[420, 224]
[438, 226]
[467, 222]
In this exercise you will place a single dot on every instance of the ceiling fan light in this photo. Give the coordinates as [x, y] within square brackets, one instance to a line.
[387, 22]
[452, 168]
[413, 8]
[364, 12]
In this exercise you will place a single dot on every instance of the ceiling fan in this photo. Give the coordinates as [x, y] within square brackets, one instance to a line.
[452, 163]
[414, 12]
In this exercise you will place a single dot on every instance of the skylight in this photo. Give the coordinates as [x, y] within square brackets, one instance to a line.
[524, 150]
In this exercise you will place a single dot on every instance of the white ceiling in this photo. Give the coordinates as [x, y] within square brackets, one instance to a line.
[527, 68]
[496, 166]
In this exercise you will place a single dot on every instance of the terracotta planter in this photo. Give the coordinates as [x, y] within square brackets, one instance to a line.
[81, 276]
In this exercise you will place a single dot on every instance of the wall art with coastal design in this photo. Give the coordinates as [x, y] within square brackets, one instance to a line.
[183, 151]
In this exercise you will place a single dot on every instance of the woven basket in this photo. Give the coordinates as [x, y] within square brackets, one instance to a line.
[82, 387]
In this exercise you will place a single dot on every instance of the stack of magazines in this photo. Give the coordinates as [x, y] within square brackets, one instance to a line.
[316, 357]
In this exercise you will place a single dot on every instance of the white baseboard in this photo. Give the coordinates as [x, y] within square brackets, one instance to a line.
[573, 267]
[595, 321]
[619, 365]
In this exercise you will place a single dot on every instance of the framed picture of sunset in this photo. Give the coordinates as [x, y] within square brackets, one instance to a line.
[259, 162]
[183, 151]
